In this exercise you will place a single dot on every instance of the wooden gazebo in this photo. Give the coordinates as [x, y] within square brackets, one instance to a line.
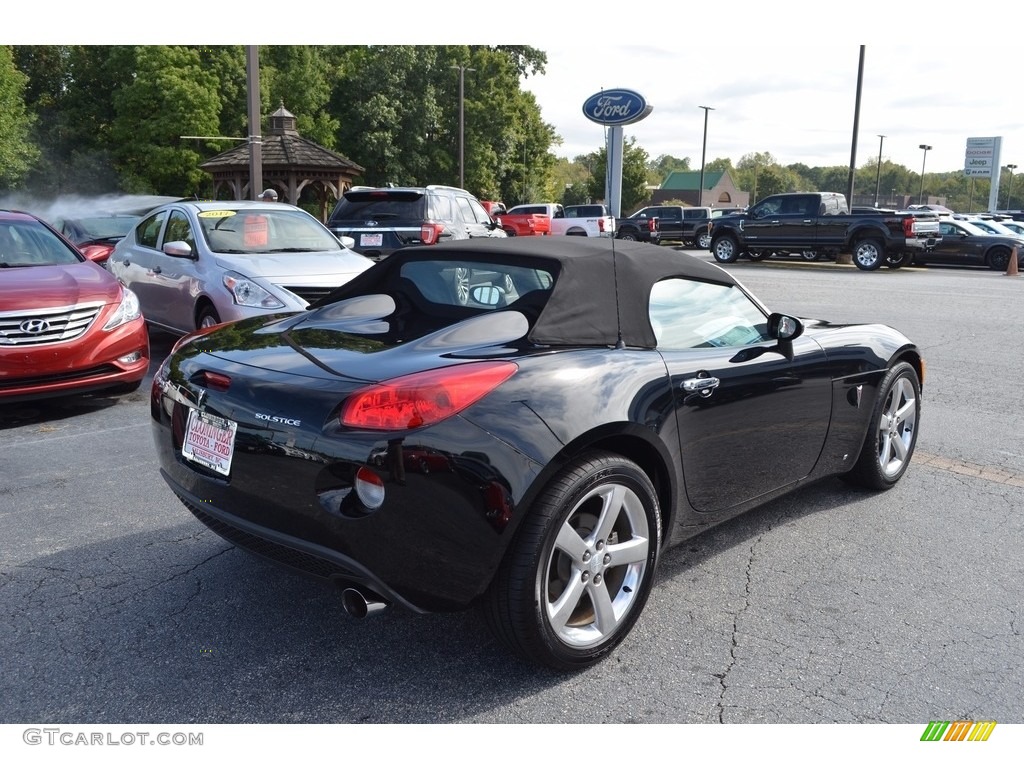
[290, 165]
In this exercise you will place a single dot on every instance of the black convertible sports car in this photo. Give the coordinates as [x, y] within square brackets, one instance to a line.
[523, 425]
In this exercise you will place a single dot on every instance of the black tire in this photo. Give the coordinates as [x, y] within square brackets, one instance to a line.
[207, 316]
[897, 260]
[809, 255]
[892, 431]
[629, 234]
[725, 249]
[998, 259]
[592, 535]
[509, 232]
[869, 254]
[704, 241]
[759, 255]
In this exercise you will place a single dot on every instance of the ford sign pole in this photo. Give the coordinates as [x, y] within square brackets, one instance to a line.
[615, 108]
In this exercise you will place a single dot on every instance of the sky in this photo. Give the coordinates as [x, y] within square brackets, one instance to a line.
[797, 102]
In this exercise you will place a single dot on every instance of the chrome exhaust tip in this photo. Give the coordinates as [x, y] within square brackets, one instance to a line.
[359, 606]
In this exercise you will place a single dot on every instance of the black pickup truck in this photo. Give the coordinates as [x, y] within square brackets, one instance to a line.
[820, 223]
[688, 225]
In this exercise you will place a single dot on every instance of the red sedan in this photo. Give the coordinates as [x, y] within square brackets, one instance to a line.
[66, 324]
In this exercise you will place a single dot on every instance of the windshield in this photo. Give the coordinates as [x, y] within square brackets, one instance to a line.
[30, 244]
[970, 228]
[380, 205]
[265, 231]
[98, 227]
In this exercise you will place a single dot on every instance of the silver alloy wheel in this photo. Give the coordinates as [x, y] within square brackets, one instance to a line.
[724, 250]
[208, 318]
[628, 235]
[461, 285]
[592, 577]
[704, 241]
[867, 254]
[896, 427]
[809, 255]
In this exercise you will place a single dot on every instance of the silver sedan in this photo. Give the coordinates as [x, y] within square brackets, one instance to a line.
[196, 264]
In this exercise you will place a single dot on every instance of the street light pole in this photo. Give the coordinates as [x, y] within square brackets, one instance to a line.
[1009, 190]
[878, 173]
[925, 147]
[462, 121]
[703, 156]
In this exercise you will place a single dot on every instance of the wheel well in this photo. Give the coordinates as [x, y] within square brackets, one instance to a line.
[202, 304]
[915, 359]
[646, 456]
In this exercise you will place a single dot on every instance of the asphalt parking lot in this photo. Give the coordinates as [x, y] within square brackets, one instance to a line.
[830, 606]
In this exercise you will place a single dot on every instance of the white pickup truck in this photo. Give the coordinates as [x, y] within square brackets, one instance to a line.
[591, 220]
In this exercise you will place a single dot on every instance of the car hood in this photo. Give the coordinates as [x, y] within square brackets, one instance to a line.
[56, 286]
[350, 340]
[329, 268]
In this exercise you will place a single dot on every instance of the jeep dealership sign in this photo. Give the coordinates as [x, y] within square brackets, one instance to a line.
[981, 157]
[617, 106]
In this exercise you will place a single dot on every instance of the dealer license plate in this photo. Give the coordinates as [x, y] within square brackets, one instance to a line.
[371, 241]
[210, 441]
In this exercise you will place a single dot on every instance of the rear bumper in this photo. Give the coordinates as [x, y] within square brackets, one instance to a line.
[292, 552]
[923, 243]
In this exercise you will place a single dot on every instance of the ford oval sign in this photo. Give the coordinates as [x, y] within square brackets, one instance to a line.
[617, 106]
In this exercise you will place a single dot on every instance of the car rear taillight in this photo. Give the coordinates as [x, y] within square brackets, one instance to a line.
[422, 399]
[600, 225]
[908, 226]
[216, 381]
[652, 225]
[431, 233]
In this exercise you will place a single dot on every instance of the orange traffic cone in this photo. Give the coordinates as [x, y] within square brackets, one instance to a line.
[1011, 268]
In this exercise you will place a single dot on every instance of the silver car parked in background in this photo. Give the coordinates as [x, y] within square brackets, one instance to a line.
[196, 264]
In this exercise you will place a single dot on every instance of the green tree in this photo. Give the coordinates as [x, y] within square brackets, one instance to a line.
[663, 165]
[400, 117]
[17, 152]
[634, 174]
[172, 95]
[301, 78]
[719, 164]
[70, 92]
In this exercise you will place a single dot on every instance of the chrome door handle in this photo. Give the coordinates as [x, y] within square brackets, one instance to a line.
[703, 386]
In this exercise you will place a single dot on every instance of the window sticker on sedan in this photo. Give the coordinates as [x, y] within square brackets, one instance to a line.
[215, 214]
[209, 441]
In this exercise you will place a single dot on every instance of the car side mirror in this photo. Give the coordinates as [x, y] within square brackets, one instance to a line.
[347, 242]
[178, 248]
[784, 327]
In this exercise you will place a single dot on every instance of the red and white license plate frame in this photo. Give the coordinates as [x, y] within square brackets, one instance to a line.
[209, 441]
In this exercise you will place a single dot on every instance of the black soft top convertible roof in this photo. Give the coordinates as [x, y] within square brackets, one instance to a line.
[601, 289]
